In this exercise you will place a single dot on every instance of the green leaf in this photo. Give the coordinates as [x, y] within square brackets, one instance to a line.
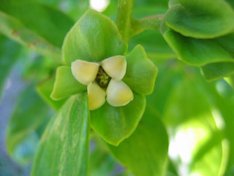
[47, 22]
[101, 162]
[7, 59]
[201, 19]
[64, 146]
[15, 30]
[65, 84]
[28, 115]
[141, 72]
[94, 37]
[225, 103]
[196, 51]
[154, 44]
[218, 70]
[44, 89]
[114, 124]
[145, 151]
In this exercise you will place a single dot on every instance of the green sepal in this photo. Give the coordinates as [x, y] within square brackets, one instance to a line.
[145, 151]
[93, 38]
[196, 52]
[44, 89]
[141, 72]
[65, 84]
[64, 145]
[114, 124]
[201, 19]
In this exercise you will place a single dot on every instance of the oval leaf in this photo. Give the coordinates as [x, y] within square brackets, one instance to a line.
[64, 146]
[145, 151]
[196, 51]
[218, 70]
[201, 19]
[93, 38]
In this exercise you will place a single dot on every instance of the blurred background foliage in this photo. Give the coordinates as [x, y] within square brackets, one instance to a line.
[198, 114]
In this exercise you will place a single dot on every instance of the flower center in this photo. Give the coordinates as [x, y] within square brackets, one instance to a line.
[102, 78]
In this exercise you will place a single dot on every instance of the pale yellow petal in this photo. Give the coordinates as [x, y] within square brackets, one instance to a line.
[118, 93]
[84, 72]
[96, 96]
[115, 66]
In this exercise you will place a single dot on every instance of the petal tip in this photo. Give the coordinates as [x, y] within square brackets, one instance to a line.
[118, 93]
[83, 71]
[96, 96]
[115, 66]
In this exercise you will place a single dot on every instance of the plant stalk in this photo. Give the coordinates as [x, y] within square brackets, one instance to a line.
[124, 14]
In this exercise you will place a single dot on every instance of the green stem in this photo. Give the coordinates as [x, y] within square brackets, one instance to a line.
[124, 14]
[149, 22]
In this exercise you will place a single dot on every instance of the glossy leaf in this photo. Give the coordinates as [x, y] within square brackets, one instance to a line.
[201, 19]
[64, 146]
[65, 84]
[114, 124]
[93, 38]
[145, 151]
[218, 70]
[47, 22]
[28, 115]
[7, 59]
[196, 51]
[141, 72]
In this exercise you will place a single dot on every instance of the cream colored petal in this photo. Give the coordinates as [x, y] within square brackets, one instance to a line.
[118, 93]
[115, 66]
[96, 96]
[84, 72]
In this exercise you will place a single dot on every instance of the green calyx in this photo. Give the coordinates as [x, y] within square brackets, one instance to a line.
[113, 124]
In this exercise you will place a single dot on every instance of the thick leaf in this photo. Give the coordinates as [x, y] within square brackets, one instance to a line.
[65, 84]
[29, 114]
[93, 38]
[114, 124]
[218, 70]
[141, 72]
[7, 59]
[196, 51]
[145, 151]
[15, 30]
[201, 19]
[64, 146]
[50, 24]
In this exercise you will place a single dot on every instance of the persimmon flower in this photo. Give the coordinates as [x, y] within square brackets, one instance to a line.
[104, 81]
